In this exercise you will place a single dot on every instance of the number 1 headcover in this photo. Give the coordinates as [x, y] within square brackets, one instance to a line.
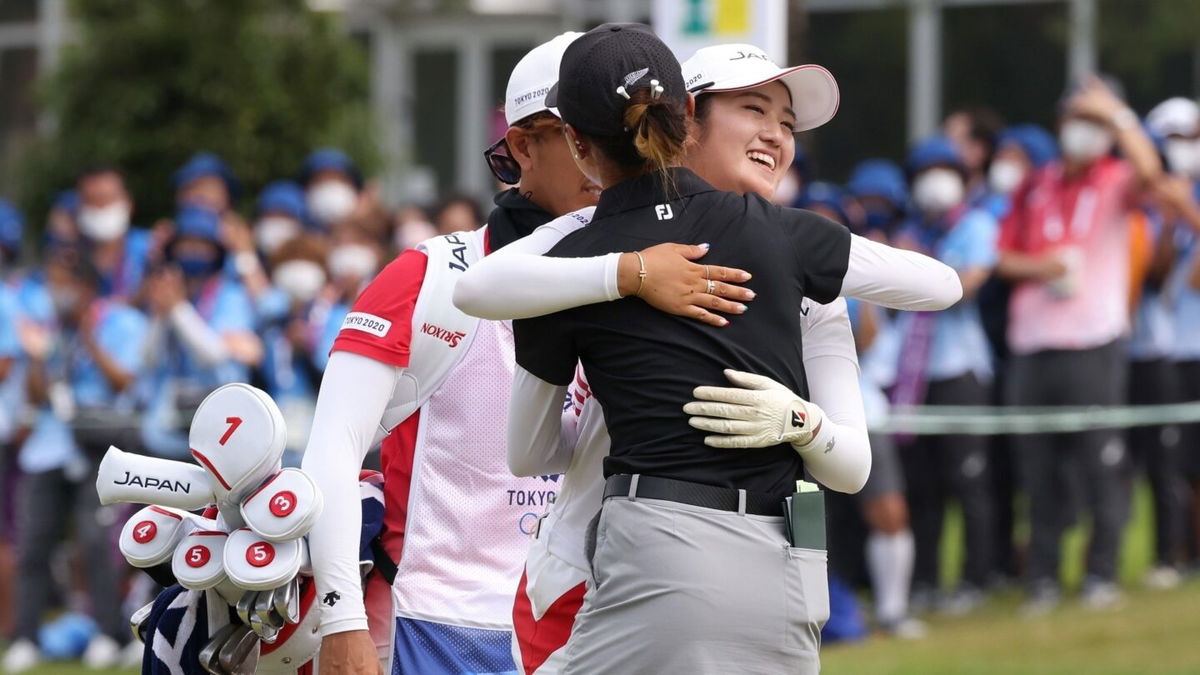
[239, 435]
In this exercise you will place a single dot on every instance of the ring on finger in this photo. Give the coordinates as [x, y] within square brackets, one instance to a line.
[712, 286]
[707, 273]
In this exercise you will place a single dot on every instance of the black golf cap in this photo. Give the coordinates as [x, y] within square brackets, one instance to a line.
[608, 57]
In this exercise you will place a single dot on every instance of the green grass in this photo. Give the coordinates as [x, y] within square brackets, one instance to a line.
[1153, 632]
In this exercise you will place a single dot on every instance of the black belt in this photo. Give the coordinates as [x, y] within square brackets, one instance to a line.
[696, 494]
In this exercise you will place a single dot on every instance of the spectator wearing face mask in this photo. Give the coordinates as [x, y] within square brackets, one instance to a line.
[1175, 122]
[1065, 246]
[85, 358]
[944, 360]
[878, 192]
[412, 227]
[332, 183]
[353, 261]
[281, 218]
[120, 253]
[205, 180]
[297, 340]
[1020, 150]
[458, 213]
[202, 334]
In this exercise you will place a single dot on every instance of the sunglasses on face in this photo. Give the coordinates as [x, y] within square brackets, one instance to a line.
[503, 166]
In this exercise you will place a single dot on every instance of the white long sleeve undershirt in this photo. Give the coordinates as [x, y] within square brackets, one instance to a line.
[355, 391]
[519, 281]
[202, 342]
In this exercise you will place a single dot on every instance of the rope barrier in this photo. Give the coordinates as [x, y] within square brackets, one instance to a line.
[990, 420]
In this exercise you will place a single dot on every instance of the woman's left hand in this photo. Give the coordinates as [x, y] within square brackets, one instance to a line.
[676, 285]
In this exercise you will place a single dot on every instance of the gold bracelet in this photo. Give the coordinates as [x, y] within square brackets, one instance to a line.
[641, 273]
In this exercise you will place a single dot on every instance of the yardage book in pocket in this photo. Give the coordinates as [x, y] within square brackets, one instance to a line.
[804, 515]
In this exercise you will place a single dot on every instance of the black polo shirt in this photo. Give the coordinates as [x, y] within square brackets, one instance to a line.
[642, 364]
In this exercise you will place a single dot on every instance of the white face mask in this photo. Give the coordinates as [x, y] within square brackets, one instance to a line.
[936, 191]
[1005, 175]
[331, 201]
[300, 279]
[1183, 156]
[1084, 141]
[271, 232]
[104, 223]
[353, 261]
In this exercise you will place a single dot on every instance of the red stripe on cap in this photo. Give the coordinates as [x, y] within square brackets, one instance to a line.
[159, 509]
[208, 533]
[211, 469]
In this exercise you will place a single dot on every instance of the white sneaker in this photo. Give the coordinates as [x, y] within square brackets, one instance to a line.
[131, 655]
[21, 656]
[102, 652]
[1163, 577]
[1101, 596]
[905, 628]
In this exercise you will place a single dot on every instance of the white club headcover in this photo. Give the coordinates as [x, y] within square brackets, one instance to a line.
[285, 507]
[138, 479]
[255, 564]
[199, 560]
[150, 537]
[238, 434]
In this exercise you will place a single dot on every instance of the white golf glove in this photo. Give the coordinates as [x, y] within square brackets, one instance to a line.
[759, 413]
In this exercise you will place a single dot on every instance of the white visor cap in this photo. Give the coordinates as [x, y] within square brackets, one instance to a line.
[732, 67]
[1175, 117]
[532, 78]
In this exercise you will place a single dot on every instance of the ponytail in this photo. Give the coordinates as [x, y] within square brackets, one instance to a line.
[654, 137]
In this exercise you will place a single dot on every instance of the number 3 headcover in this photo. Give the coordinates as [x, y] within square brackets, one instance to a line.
[239, 435]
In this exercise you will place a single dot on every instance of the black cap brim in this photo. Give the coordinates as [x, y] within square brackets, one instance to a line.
[552, 97]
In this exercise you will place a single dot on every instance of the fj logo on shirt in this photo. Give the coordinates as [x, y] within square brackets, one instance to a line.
[797, 419]
[663, 211]
[367, 323]
[451, 338]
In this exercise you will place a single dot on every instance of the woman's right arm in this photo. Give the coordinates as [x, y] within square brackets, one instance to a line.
[519, 281]
[354, 394]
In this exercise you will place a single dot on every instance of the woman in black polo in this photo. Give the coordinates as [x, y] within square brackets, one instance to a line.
[692, 570]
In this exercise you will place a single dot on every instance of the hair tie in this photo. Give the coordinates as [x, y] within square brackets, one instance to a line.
[621, 91]
[656, 89]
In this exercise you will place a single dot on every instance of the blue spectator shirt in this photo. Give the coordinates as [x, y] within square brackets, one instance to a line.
[1184, 300]
[125, 281]
[1152, 334]
[959, 344]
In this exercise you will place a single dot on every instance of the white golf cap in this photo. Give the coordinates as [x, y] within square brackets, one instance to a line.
[1175, 117]
[731, 67]
[532, 78]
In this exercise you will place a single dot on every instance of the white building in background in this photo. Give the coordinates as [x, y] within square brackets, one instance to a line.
[439, 68]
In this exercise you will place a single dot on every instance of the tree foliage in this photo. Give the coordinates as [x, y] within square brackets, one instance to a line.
[150, 82]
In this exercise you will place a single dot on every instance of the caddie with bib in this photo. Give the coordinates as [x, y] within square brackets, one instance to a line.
[432, 383]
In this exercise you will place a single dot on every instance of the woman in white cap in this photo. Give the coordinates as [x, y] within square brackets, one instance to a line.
[554, 570]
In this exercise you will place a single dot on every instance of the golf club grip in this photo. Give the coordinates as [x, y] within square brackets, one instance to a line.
[138, 479]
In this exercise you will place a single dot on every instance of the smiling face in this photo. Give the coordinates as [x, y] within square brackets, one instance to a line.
[745, 140]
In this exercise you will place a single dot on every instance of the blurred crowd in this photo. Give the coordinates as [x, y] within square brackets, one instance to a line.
[1082, 287]
[114, 331]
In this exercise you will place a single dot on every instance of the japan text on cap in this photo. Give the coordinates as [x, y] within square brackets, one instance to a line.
[732, 67]
[603, 68]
